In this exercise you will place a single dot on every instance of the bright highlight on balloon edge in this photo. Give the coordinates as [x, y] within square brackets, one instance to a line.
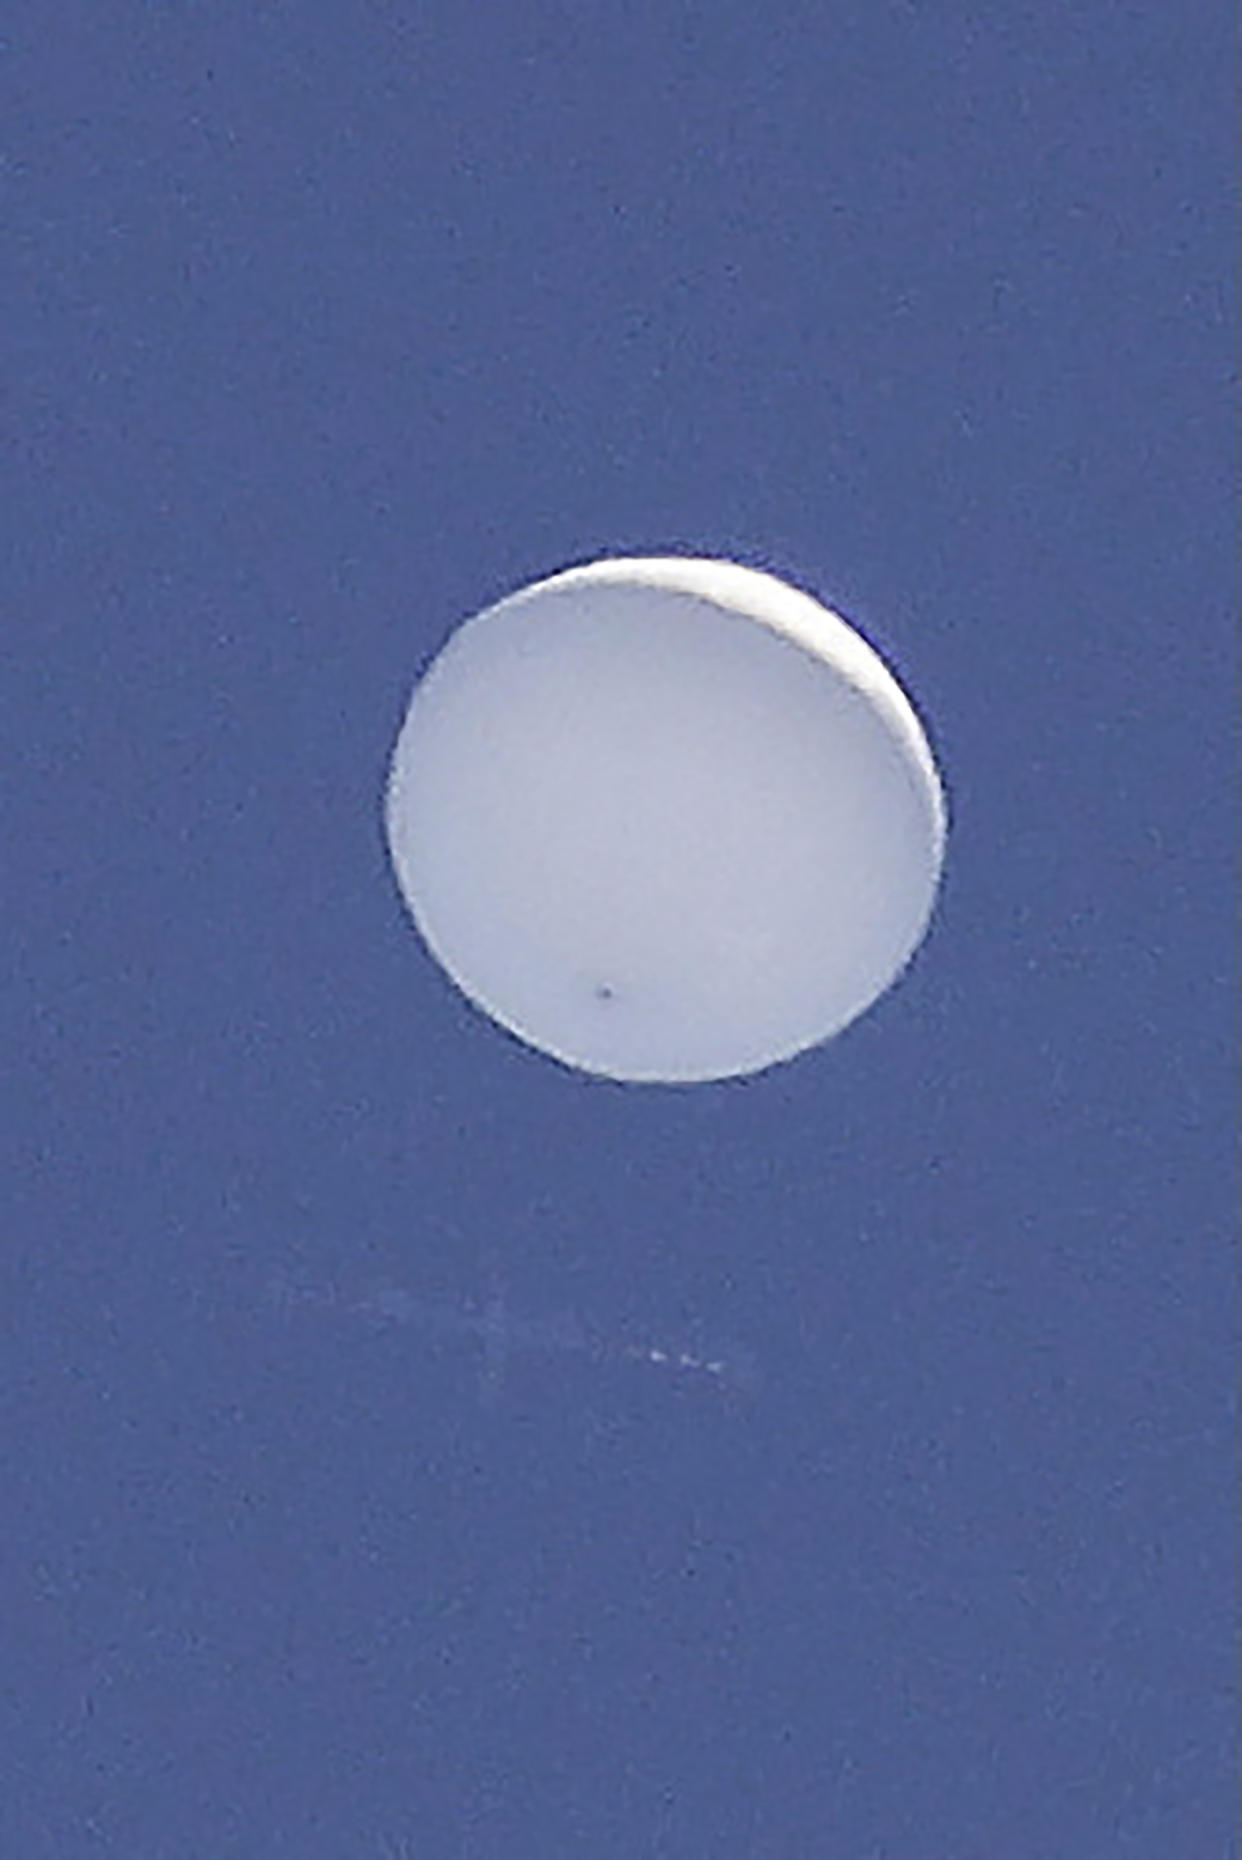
[665, 819]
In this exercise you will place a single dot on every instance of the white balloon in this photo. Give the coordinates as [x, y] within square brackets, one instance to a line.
[665, 819]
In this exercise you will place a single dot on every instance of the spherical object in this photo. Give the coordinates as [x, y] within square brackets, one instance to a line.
[665, 819]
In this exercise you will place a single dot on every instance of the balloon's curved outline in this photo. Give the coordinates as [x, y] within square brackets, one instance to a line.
[815, 636]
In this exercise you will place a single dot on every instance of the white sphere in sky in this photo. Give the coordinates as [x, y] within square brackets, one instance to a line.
[665, 819]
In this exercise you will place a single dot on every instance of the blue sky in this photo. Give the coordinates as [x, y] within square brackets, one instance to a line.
[325, 327]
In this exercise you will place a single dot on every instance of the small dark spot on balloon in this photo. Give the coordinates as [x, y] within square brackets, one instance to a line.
[604, 991]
